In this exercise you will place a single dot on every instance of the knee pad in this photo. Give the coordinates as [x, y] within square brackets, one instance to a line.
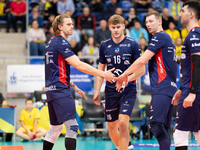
[197, 136]
[158, 130]
[180, 138]
[53, 133]
[72, 128]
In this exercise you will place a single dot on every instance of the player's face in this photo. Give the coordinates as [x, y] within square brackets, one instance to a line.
[67, 26]
[184, 15]
[152, 24]
[117, 30]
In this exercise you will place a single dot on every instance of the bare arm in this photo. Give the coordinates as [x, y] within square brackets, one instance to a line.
[86, 68]
[99, 82]
[136, 74]
[77, 90]
[137, 65]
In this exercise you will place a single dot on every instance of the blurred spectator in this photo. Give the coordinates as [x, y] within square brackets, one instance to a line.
[75, 47]
[145, 4]
[175, 7]
[86, 23]
[36, 38]
[138, 31]
[166, 19]
[3, 103]
[143, 44]
[65, 5]
[34, 15]
[49, 23]
[18, 12]
[178, 44]
[50, 8]
[111, 7]
[49, 34]
[90, 50]
[174, 34]
[5, 13]
[184, 33]
[102, 34]
[80, 4]
[199, 21]
[150, 9]
[96, 6]
[130, 20]
[29, 116]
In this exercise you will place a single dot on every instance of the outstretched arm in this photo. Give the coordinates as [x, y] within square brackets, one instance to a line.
[99, 82]
[86, 68]
[137, 65]
[77, 90]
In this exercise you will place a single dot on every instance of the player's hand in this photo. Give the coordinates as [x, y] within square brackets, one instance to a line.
[188, 101]
[96, 98]
[109, 76]
[176, 97]
[121, 80]
[30, 134]
[79, 91]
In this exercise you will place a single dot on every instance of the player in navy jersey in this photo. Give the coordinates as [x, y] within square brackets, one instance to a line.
[58, 59]
[161, 54]
[118, 52]
[188, 97]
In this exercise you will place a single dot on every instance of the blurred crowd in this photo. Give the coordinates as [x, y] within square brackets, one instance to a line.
[90, 21]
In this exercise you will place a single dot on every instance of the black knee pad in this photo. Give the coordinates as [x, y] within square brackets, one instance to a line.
[158, 130]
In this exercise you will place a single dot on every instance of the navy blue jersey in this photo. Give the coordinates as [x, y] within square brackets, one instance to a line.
[163, 65]
[57, 70]
[190, 45]
[119, 56]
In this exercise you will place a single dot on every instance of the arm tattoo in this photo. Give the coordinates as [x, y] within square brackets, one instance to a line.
[72, 85]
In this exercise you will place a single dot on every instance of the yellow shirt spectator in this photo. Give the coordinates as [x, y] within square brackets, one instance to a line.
[173, 34]
[29, 117]
[184, 33]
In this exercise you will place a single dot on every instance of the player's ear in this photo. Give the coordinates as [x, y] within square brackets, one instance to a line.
[192, 14]
[60, 27]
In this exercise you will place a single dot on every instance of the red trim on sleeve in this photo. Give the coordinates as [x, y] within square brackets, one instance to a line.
[160, 65]
[62, 70]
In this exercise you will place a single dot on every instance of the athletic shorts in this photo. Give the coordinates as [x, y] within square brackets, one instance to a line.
[161, 109]
[119, 103]
[188, 119]
[61, 110]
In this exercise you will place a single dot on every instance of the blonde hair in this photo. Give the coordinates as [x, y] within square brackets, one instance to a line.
[58, 21]
[155, 13]
[116, 19]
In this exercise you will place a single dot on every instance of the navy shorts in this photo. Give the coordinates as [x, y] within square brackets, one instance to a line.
[119, 103]
[61, 110]
[161, 109]
[188, 119]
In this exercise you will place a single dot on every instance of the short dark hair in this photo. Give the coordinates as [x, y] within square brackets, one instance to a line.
[193, 5]
[29, 99]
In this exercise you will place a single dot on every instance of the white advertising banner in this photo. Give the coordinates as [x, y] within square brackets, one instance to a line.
[25, 78]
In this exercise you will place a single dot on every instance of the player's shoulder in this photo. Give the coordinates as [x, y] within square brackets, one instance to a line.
[106, 42]
[195, 31]
[129, 40]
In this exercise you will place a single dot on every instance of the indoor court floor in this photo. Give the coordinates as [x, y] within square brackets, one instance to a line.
[90, 143]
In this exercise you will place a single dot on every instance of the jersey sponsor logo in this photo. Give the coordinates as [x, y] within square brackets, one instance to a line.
[124, 45]
[126, 54]
[49, 55]
[109, 117]
[50, 88]
[108, 55]
[110, 64]
[173, 84]
[108, 60]
[170, 48]
[67, 50]
[109, 46]
[152, 44]
[154, 39]
[125, 110]
[194, 38]
[118, 71]
[117, 50]
[195, 44]
[126, 62]
[151, 117]
[129, 38]
[64, 42]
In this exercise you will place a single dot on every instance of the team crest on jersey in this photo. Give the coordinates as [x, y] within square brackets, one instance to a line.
[117, 50]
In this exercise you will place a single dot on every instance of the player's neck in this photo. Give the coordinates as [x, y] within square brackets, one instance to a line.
[64, 35]
[159, 30]
[191, 25]
[118, 39]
